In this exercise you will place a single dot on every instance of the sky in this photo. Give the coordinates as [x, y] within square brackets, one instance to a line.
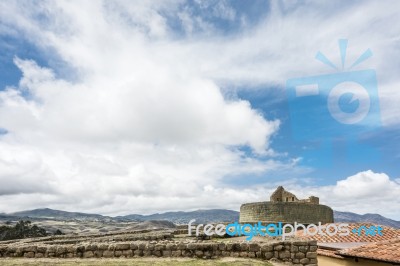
[121, 107]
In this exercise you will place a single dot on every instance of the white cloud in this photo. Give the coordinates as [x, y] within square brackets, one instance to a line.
[364, 184]
[138, 126]
[364, 192]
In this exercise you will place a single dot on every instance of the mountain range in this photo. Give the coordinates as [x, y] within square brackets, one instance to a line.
[180, 217]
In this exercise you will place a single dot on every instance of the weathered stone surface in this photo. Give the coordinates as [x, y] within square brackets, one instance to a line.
[88, 254]
[29, 254]
[103, 246]
[187, 253]
[156, 253]
[311, 255]
[166, 253]
[61, 250]
[285, 212]
[305, 261]
[244, 246]
[91, 247]
[176, 253]
[159, 247]
[269, 255]
[108, 253]
[303, 248]
[300, 255]
[283, 250]
[29, 249]
[192, 246]
[39, 255]
[122, 246]
[142, 246]
[300, 243]
[199, 253]
[253, 247]
[313, 248]
[182, 246]
[170, 246]
[235, 247]
[138, 253]
[134, 246]
[267, 247]
[243, 254]
[284, 254]
[235, 254]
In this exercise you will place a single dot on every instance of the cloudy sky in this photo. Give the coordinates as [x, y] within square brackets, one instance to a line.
[120, 107]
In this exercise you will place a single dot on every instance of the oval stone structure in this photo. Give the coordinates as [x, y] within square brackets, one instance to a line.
[285, 212]
[285, 207]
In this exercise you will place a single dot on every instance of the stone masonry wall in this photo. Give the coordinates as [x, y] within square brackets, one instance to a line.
[298, 253]
[286, 212]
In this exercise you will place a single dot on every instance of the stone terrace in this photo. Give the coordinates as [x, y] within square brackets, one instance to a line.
[159, 244]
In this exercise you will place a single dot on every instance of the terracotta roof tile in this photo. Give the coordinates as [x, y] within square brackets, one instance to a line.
[388, 251]
[387, 233]
[329, 253]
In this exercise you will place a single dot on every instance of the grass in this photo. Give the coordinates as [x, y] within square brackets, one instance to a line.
[135, 261]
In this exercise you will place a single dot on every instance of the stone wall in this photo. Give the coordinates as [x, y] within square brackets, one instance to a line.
[286, 212]
[299, 253]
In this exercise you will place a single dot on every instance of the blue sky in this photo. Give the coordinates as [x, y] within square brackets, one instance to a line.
[191, 102]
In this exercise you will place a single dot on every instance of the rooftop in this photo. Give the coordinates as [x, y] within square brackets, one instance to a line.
[387, 233]
[387, 251]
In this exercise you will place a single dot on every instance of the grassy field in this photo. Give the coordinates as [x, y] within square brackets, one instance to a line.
[136, 262]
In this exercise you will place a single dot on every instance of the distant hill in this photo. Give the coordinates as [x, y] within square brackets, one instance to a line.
[47, 213]
[201, 216]
[350, 217]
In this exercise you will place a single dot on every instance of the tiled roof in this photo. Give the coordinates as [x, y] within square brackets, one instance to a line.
[329, 253]
[387, 233]
[388, 251]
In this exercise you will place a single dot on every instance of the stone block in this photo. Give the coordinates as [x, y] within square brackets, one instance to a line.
[39, 255]
[244, 246]
[305, 261]
[176, 253]
[243, 254]
[199, 253]
[166, 253]
[254, 247]
[313, 248]
[284, 254]
[29, 254]
[311, 255]
[267, 247]
[122, 246]
[88, 254]
[108, 253]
